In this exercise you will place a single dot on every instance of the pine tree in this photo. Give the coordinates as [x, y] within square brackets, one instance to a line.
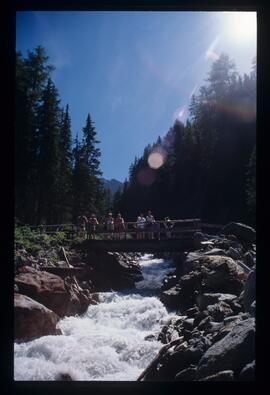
[31, 75]
[88, 191]
[49, 156]
[65, 168]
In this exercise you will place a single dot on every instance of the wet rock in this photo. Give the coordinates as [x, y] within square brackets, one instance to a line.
[32, 319]
[248, 372]
[122, 270]
[234, 351]
[241, 231]
[51, 291]
[171, 297]
[188, 374]
[225, 375]
[169, 282]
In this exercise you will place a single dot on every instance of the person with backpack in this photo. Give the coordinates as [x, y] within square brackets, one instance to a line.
[119, 225]
[110, 225]
[168, 224]
[92, 225]
[140, 226]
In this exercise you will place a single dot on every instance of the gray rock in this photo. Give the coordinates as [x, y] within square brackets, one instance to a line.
[203, 300]
[219, 310]
[234, 351]
[249, 290]
[241, 231]
[225, 375]
[233, 253]
[248, 372]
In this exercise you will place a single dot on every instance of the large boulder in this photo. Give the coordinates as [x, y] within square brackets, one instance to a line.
[232, 352]
[32, 319]
[51, 291]
[241, 231]
[223, 274]
[114, 271]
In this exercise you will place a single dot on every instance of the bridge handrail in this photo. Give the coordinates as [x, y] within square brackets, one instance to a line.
[174, 221]
[130, 228]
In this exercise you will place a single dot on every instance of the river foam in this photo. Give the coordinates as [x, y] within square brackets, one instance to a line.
[107, 342]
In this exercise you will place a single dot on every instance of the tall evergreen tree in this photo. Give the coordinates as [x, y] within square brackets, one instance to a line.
[32, 73]
[88, 191]
[49, 156]
[65, 168]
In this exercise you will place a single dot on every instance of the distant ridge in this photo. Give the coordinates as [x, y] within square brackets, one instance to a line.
[113, 185]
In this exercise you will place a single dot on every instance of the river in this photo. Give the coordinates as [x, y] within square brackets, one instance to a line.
[108, 342]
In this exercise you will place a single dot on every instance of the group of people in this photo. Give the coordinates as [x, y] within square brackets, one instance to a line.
[146, 227]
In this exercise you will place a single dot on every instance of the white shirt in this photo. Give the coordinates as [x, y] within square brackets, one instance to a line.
[141, 222]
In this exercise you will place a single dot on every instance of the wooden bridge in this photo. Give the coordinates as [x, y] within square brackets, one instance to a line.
[131, 239]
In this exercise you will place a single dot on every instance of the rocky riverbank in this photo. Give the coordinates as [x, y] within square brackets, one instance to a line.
[56, 283]
[213, 291]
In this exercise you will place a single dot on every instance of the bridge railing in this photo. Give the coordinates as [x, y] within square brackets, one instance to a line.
[158, 230]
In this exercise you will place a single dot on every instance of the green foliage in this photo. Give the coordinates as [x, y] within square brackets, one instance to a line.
[54, 183]
[34, 240]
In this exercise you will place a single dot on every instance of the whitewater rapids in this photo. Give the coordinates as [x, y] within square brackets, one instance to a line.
[108, 342]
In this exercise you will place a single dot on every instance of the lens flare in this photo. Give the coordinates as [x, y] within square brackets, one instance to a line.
[155, 160]
[210, 53]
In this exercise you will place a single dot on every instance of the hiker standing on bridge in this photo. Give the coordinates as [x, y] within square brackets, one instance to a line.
[119, 224]
[110, 225]
[82, 222]
[168, 226]
[92, 224]
[150, 220]
[140, 225]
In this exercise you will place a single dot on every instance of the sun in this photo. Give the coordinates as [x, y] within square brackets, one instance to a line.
[239, 26]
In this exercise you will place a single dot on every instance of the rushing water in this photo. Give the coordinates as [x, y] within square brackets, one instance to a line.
[108, 341]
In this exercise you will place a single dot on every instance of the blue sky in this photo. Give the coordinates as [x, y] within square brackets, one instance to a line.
[134, 72]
